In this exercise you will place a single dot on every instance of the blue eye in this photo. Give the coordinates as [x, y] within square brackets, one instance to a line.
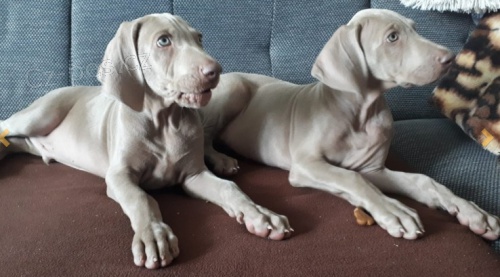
[163, 41]
[393, 37]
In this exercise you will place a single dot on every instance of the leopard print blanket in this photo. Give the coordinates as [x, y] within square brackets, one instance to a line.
[469, 93]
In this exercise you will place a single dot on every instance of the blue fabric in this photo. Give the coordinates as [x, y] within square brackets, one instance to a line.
[440, 149]
[236, 33]
[94, 23]
[299, 31]
[278, 38]
[34, 50]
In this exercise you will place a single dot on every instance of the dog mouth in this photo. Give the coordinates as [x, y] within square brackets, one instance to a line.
[428, 80]
[196, 99]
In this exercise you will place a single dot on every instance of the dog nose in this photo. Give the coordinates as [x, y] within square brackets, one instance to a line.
[446, 58]
[211, 70]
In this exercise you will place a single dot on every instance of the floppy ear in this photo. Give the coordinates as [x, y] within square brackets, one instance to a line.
[341, 63]
[120, 72]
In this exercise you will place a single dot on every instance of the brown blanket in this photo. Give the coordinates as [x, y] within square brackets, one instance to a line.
[57, 221]
[470, 93]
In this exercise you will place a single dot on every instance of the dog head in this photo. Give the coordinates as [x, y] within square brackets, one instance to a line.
[159, 54]
[379, 46]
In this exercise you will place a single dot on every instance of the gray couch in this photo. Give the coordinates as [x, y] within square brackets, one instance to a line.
[54, 43]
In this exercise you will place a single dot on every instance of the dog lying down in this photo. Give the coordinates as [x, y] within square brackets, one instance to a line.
[141, 130]
[334, 135]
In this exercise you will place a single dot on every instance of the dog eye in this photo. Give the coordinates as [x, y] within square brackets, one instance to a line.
[392, 37]
[200, 39]
[163, 41]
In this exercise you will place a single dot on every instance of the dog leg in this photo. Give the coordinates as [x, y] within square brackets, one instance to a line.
[258, 220]
[3, 148]
[154, 243]
[16, 144]
[38, 119]
[426, 190]
[43, 115]
[397, 219]
[20, 144]
[220, 163]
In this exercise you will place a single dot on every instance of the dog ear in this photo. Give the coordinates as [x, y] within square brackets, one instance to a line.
[120, 72]
[341, 63]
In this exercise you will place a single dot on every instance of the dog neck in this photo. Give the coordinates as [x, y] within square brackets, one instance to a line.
[363, 104]
[162, 111]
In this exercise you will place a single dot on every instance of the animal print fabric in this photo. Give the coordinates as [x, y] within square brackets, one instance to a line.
[469, 93]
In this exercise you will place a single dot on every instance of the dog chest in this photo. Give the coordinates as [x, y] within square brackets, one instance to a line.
[356, 143]
[174, 154]
[367, 146]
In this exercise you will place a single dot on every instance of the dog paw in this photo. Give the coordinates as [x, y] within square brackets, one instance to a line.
[397, 219]
[478, 220]
[154, 246]
[265, 223]
[222, 164]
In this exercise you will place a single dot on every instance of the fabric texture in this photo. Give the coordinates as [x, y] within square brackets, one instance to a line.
[34, 48]
[237, 34]
[93, 24]
[438, 148]
[58, 221]
[478, 6]
[295, 43]
[469, 93]
[257, 36]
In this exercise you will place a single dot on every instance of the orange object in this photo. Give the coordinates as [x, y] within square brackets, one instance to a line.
[362, 218]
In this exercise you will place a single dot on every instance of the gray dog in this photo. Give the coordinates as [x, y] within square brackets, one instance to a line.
[139, 131]
[334, 135]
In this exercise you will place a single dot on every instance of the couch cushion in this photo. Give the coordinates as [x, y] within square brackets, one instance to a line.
[60, 223]
[94, 23]
[440, 149]
[236, 33]
[299, 31]
[280, 38]
[34, 48]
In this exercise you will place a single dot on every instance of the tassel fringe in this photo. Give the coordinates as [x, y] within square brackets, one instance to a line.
[466, 6]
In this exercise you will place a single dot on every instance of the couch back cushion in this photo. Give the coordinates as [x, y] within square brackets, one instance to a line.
[278, 38]
[34, 50]
[93, 25]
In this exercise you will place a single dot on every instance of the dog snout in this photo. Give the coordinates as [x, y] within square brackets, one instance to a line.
[211, 70]
[446, 58]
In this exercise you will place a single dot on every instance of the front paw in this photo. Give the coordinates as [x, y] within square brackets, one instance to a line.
[478, 220]
[265, 223]
[222, 164]
[397, 219]
[154, 246]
